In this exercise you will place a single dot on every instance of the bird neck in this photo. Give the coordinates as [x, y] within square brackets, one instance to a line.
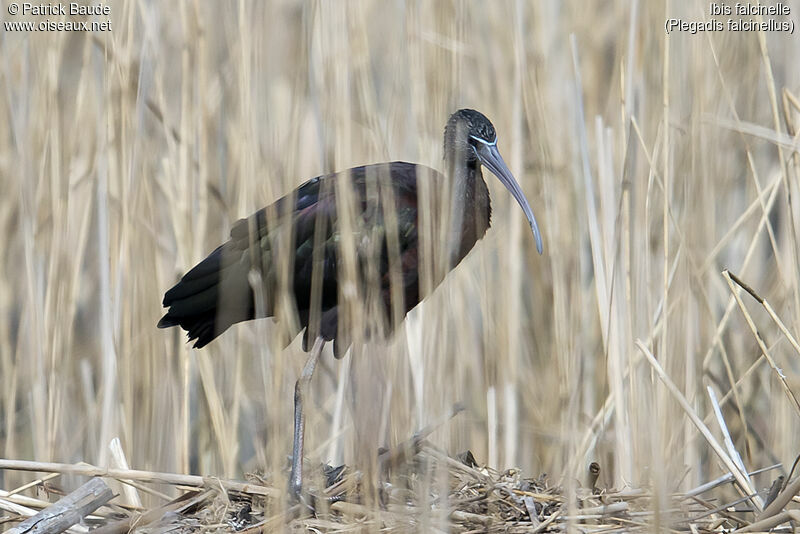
[470, 206]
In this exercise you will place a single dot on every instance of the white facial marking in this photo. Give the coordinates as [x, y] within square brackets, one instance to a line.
[485, 142]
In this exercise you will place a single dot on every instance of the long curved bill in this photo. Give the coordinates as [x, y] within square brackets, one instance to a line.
[491, 158]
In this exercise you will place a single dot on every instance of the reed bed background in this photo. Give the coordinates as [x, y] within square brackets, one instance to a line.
[652, 162]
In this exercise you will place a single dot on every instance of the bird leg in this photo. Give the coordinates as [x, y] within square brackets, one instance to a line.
[300, 391]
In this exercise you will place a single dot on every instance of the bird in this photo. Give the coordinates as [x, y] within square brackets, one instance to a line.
[391, 236]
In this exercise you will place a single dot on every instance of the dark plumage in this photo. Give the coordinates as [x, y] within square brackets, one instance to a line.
[216, 293]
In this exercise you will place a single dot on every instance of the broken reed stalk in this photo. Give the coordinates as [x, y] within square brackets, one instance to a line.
[140, 520]
[492, 500]
[698, 423]
[89, 470]
[761, 344]
[783, 498]
[728, 441]
[68, 510]
[774, 316]
[771, 522]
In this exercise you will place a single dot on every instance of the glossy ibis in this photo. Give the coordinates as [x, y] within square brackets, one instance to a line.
[217, 292]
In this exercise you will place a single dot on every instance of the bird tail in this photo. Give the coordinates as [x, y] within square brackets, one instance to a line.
[211, 297]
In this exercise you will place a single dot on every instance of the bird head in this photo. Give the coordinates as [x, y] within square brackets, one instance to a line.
[469, 134]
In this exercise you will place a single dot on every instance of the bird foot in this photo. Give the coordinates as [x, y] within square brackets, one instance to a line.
[309, 499]
[305, 501]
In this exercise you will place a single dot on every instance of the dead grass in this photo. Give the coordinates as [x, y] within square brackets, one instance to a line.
[655, 164]
[476, 499]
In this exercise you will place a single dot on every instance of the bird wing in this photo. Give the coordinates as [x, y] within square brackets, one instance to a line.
[312, 215]
[216, 293]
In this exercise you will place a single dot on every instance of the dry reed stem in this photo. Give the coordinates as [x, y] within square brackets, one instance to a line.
[740, 477]
[499, 502]
[764, 350]
[68, 510]
[144, 476]
[774, 316]
[732, 452]
[129, 153]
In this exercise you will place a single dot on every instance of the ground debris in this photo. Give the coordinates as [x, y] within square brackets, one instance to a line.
[428, 490]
